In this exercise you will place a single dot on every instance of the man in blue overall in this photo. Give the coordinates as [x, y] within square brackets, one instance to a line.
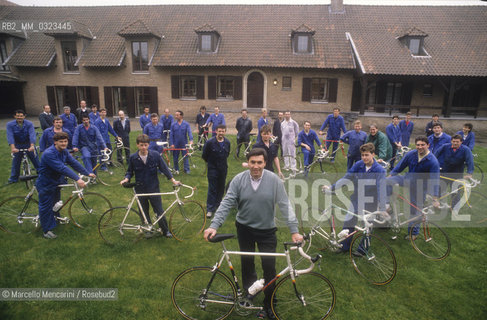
[262, 122]
[105, 127]
[355, 139]
[406, 127]
[306, 140]
[52, 172]
[215, 153]
[215, 119]
[94, 114]
[146, 164]
[368, 179]
[394, 135]
[47, 136]
[166, 121]
[145, 118]
[21, 135]
[335, 124]
[154, 130]
[88, 140]
[178, 138]
[423, 178]
[438, 138]
[69, 120]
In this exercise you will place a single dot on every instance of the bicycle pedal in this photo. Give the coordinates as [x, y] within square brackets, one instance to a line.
[63, 220]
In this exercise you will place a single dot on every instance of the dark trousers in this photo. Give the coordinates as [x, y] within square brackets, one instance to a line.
[242, 140]
[216, 188]
[47, 198]
[335, 146]
[126, 143]
[352, 159]
[17, 160]
[156, 203]
[266, 241]
[393, 158]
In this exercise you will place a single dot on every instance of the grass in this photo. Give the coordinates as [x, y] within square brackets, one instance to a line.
[143, 272]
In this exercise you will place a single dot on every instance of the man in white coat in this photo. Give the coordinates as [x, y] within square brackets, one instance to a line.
[290, 130]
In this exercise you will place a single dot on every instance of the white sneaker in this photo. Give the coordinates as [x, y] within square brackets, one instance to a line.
[209, 214]
[50, 235]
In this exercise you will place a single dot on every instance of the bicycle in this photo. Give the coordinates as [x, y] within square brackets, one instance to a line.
[195, 160]
[243, 148]
[111, 173]
[479, 173]
[120, 154]
[401, 152]
[19, 214]
[320, 164]
[371, 257]
[207, 292]
[186, 218]
[432, 241]
[26, 167]
[202, 138]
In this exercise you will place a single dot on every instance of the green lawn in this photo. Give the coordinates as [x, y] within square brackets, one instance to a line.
[143, 272]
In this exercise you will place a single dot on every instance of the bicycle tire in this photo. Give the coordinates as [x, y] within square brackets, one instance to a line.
[124, 161]
[195, 298]
[113, 174]
[432, 242]
[18, 215]
[478, 173]
[86, 211]
[378, 263]
[186, 220]
[316, 291]
[317, 230]
[240, 153]
[111, 229]
[474, 209]
[327, 169]
[26, 171]
[196, 163]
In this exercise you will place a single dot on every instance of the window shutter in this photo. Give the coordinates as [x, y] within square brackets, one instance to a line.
[108, 100]
[306, 94]
[51, 99]
[175, 87]
[332, 90]
[237, 90]
[200, 87]
[95, 98]
[154, 107]
[406, 94]
[380, 92]
[211, 87]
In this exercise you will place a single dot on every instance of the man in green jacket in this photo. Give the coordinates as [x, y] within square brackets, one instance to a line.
[383, 148]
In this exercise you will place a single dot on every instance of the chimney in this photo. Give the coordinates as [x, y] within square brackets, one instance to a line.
[336, 6]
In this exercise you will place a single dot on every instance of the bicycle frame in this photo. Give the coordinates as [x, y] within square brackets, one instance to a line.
[147, 226]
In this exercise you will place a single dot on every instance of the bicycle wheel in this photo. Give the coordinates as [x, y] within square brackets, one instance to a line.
[373, 259]
[123, 160]
[327, 169]
[196, 163]
[87, 210]
[186, 220]
[112, 173]
[432, 242]
[113, 228]
[199, 293]
[287, 171]
[318, 230]
[240, 153]
[474, 209]
[18, 215]
[478, 173]
[26, 171]
[311, 296]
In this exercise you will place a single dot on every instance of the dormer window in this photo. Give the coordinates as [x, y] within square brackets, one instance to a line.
[302, 39]
[140, 56]
[414, 41]
[70, 56]
[208, 39]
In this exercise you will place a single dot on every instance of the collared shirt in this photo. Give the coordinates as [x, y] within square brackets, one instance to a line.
[255, 182]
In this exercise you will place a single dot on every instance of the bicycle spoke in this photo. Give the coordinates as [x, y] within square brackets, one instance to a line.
[432, 241]
[187, 220]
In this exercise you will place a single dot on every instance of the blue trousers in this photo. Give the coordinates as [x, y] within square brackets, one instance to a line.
[308, 157]
[154, 146]
[414, 199]
[335, 146]
[352, 159]
[216, 188]
[156, 203]
[47, 198]
[89, 158]
[175, 158]
[17, 160]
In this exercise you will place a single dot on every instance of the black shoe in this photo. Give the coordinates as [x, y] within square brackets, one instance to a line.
[265, 313]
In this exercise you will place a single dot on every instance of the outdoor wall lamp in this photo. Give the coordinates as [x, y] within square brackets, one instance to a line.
[274, 82]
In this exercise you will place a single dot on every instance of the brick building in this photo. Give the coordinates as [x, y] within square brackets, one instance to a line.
[306, 58]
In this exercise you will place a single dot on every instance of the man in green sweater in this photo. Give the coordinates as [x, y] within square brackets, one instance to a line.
[383, 148]
[255, 193]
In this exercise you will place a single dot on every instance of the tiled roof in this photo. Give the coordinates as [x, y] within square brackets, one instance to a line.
[205, 28]
[413, 32]
[304, 29]
[136, 28]
[259, 36]
[74, 28]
